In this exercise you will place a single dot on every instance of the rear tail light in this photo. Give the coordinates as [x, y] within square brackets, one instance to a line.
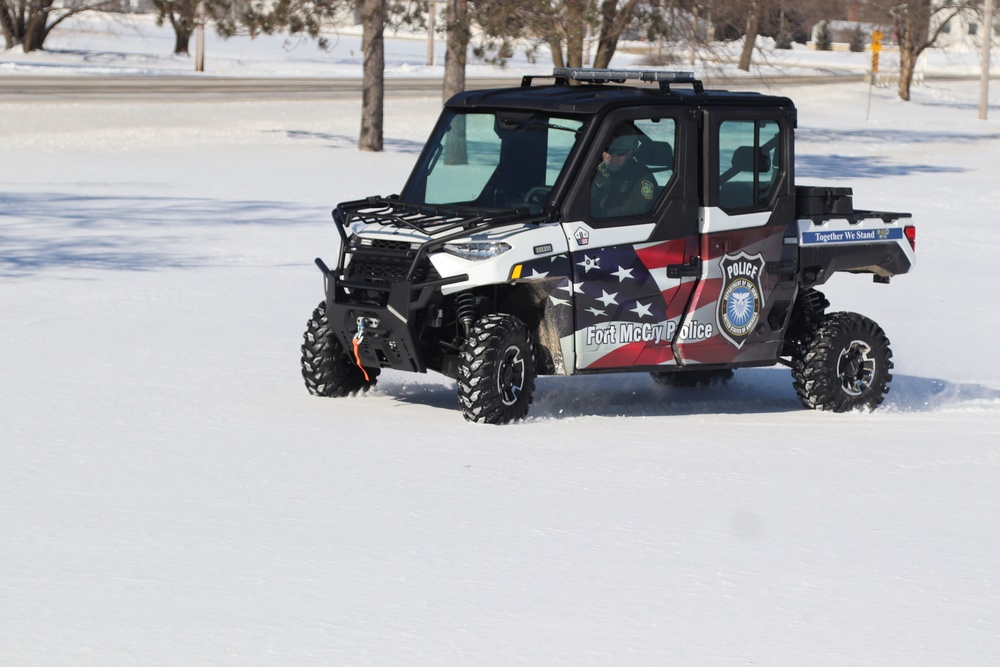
[911, 235]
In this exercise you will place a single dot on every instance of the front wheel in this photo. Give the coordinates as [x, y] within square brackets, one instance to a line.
[845, 365]
[496, 370]
[327, 368]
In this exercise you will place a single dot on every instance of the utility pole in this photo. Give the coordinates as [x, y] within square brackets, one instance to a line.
[431, 12]
[984, 79]
[199, 37]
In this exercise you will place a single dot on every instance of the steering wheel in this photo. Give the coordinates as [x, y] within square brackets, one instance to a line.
[535, 197]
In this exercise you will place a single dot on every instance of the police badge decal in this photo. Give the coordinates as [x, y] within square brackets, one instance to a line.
[742, 299]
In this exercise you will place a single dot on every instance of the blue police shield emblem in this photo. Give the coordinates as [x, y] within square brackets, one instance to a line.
[742, 297]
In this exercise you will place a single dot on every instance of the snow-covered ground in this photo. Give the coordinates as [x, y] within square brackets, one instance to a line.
[169, 493]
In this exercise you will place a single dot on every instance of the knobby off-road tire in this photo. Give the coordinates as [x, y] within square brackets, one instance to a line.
[846, 365]
[496, 371]
[692, 379]
[327, 368]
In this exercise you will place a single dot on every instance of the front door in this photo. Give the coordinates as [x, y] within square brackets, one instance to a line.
[639, 220]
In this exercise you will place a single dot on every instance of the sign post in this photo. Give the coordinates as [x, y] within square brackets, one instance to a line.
[876, 47]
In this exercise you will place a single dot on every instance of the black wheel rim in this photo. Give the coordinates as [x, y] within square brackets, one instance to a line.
[511, 375]
[856, 368]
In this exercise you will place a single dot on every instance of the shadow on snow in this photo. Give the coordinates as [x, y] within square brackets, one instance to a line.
[348, 141]
[43, 231]
[888, 136]
[750, 392]
[853, 166]
[868, 166]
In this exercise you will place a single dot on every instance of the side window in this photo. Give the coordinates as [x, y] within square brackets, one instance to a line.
[561, 137]
[749, 162]
[633, 169]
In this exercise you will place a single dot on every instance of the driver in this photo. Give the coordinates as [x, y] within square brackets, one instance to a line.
[621, 185]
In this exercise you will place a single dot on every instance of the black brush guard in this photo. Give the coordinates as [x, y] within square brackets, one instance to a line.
[391, 281]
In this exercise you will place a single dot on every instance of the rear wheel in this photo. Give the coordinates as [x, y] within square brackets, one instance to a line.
[327, 368]
[846, 365]
[496, 370]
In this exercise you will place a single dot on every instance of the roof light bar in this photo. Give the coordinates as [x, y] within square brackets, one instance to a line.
[590, 74]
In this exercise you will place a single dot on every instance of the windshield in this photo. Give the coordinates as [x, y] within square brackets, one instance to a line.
[498, 159]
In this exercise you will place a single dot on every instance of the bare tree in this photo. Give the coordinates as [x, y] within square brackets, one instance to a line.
[562, 25]
[919, 24]
[181, 15]
[615, 17]
[755, 11]
[783, 20]
[27, 23]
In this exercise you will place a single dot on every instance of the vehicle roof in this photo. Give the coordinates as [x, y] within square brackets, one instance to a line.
[591, 98]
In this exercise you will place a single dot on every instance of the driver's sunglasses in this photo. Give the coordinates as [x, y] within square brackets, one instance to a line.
[619, 151]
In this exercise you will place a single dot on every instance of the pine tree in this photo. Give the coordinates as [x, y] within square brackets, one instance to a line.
[824, 39]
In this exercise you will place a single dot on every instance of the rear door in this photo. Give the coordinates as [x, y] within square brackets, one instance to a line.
[746, 283]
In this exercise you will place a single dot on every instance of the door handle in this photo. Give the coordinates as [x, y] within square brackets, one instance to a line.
[690, 270]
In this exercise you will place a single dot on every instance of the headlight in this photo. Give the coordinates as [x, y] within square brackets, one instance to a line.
[476, 250]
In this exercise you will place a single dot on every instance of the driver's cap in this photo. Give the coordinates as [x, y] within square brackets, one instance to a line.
[624, 142]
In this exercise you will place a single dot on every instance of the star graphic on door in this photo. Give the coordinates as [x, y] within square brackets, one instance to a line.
[608, 299]
[641, 310]
[622, 273]
[589, 263]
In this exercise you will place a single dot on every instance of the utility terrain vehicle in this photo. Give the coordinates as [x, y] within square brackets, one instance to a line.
[513, 252]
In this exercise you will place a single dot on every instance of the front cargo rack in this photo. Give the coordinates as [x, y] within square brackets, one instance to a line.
[440, 224]
[430, 220]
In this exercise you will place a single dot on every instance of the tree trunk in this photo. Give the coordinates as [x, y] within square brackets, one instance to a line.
[907, 63]
[753, 27]
[574, 50]
[575, 29]
[34, 27]
[183, 25]
[457, 18]
[373, 86]
[182, 39]
[555, 46]
[913, 30]
[9, 31]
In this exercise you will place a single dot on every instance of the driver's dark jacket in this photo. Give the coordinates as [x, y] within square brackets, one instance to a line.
[629, 191]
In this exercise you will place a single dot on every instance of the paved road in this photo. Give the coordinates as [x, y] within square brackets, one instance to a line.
[209, 88]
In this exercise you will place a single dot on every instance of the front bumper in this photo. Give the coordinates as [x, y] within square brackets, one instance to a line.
[386, 314]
